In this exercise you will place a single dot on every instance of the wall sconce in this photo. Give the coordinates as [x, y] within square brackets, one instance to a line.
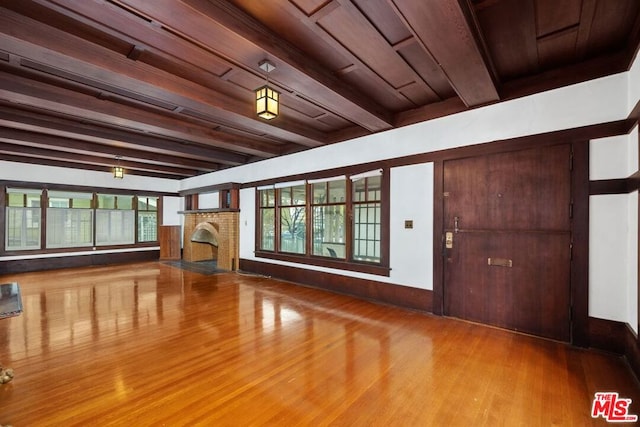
[266, 97]
[118, 171]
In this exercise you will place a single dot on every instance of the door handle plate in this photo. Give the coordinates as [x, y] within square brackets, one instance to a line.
[500, 262]
[448, 240]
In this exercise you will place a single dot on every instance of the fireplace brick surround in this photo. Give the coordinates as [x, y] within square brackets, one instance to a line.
[226, 223]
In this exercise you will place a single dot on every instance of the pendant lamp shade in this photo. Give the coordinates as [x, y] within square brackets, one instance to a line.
[267, 102]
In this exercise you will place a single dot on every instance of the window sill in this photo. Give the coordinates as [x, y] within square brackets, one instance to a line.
[338, 264]
[79, 249]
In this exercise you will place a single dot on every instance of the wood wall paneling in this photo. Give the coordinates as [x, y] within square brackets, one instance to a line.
[401, 296]
[580, 244]
[170, 242]
[438, 238]
[40, 264]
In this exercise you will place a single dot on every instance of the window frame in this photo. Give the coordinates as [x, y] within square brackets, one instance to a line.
[94, 191]
[333, 206]
[349, 263]
[25, 211]
[138, 211]
[122, 206]
[75, 212]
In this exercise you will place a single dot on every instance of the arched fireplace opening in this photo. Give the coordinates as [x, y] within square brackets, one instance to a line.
[211, 235]
[205, 235]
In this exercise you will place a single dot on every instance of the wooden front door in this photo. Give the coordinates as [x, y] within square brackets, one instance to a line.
[508, 226]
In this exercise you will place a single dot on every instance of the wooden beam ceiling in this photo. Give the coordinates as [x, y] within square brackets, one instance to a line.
[168, 85]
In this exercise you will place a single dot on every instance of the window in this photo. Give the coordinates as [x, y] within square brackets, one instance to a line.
[69, 219]
[267, 219]
[23, 219]
[328, 211]
[367, 217]
[293, 216]
[147, 219]
[76, 219]
[115, 220]
[333, 221]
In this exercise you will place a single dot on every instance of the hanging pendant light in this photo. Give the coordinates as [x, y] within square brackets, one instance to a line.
[118, 171]
[267, 98]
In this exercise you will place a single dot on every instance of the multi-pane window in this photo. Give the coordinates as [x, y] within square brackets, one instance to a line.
[77, 219]
[147, 219]
[115, 220]
[338, 218]
[266, 219]
[69, 219]
[23, 219]
[367, 217]
[328, 213]
[293, 219]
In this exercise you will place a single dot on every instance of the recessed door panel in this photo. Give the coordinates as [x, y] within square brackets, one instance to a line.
[507, 253]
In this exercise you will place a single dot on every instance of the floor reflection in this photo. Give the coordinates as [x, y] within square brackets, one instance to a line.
[250, 334]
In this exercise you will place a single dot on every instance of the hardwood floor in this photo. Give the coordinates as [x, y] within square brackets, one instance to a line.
[151, 344]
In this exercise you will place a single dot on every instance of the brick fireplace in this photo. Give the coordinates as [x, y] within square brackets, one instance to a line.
[217, 235]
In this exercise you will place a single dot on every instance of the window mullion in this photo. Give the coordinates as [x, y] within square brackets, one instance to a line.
[136, 220]
[276, 218]
[308, 235]
[44, 205]
[349, 221]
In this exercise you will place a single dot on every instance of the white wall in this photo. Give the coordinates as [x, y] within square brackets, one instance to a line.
[209, 200]
[55, 175]
[170, 208]
[578, 105]
[613, 233]
[412, 249]
[634, 83]
[609, 257]
[632, 265]
[247, 222]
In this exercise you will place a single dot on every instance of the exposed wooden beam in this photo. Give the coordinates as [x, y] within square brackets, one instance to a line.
[34, 139]
[55, 52]
[460, 57]
[44, 155]
[109, 111]
[72, 165]
[222, 27]
[91, 133]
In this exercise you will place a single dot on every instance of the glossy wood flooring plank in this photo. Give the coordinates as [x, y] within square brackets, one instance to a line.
[149, 345]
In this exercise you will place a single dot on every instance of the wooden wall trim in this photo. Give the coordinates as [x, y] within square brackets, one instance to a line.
[386, 293]
[615, 186]
[584, 133]
[41, 264]
[608, 186]
[438, 238]
[615, 337]
[84, 188]
[3, 216]
[580, 245]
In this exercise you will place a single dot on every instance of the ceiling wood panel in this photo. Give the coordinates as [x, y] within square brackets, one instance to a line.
[168, 84]
[553, 16]
[462, 61]
[514, 48]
